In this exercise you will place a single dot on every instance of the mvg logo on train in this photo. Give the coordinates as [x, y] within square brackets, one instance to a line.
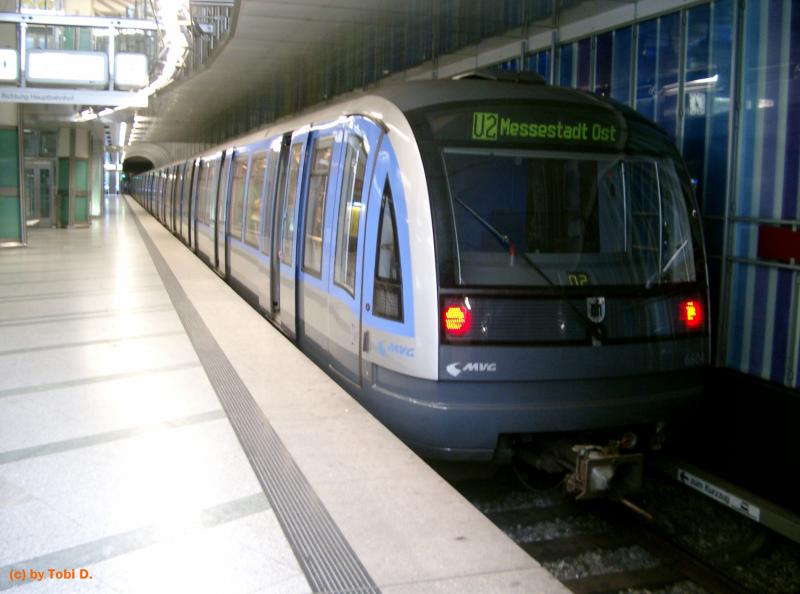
[485, 125]
[455, 369]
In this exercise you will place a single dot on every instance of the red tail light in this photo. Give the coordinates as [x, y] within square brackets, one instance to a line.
[457, 320]
[691, 313]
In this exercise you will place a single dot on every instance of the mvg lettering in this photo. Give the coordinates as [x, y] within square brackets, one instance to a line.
[400, 349]
[479, 367]
[455, 369]
[484, 125]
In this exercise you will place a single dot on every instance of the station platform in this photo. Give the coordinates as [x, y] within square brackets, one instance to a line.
[158, 435]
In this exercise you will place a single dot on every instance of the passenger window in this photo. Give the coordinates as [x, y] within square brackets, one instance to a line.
[254, 191]
[269, 191]
[355, 165]
[187, 189]
[321, 155]
[201, 194]
[222, 193]
[211, 192]
[178, 188]
[287, 224]
[208, 194]
[388, 294]
[237, 194]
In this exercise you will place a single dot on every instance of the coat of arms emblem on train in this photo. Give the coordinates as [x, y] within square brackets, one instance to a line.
[596, 309]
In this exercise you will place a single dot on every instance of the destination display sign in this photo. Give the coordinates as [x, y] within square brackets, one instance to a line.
[535, 125]
[491, 126]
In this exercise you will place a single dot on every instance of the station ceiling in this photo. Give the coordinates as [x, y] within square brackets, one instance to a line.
[272, 39]
[267, 38]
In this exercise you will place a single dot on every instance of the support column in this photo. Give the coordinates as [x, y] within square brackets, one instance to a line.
[63, 214]
[73, 197]
[79, 185]
[12, 207]
[96, 185]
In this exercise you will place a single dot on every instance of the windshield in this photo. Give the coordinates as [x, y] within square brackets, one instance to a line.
[536, 218]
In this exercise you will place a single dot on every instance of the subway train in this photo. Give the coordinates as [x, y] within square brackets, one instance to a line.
[486, 265]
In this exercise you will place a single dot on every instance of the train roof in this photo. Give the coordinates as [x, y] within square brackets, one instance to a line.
[642, 135]
[413, 95]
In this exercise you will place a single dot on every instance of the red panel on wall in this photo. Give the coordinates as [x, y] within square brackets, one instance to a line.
[778, 243]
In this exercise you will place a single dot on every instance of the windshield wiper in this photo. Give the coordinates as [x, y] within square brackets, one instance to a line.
[503, 238]
[660, 274]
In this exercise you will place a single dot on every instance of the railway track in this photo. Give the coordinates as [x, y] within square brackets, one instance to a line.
[690, 546]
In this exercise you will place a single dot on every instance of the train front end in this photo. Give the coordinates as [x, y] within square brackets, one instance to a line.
[571, 274]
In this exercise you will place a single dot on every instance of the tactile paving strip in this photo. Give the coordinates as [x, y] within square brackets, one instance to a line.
[328, 561]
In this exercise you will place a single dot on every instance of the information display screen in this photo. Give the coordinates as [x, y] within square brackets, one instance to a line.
[540, 126]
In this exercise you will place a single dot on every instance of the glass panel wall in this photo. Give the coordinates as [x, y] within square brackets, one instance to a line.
[603, 63]
[539, 62]
[566, 60]
[764, 295]
[679, 70]
[621, 69]
[645, 84]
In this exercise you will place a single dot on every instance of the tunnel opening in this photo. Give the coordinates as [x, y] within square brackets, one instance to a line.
[136, 165]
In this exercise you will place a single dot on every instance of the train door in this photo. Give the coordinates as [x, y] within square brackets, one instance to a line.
[319, 190]
[272, 192]
[195, 201]
[154, 193]
[162, 196]
[169, 194]
[163, 192]
[275, 259]
[148, 185]
[168, 182]
[207, 210]
[188, 201]
[157, 194]
[174, 198]
[166, 192]
[359, 146]
[221, 218]
[153, 207]
[179, 198]
[284, 246]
